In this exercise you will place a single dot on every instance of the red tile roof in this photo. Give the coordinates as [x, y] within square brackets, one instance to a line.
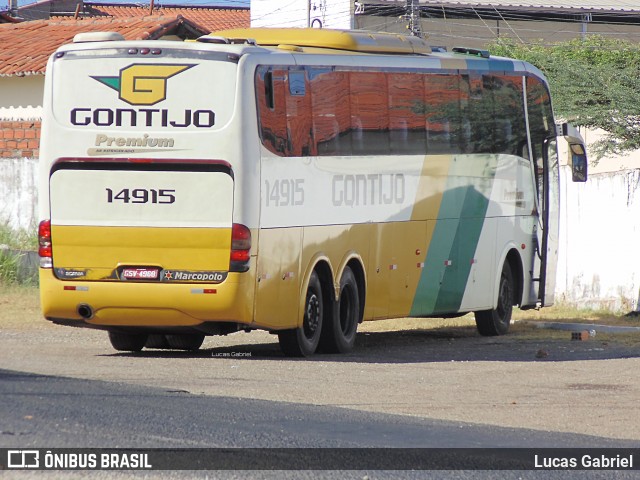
[211, 18]
[26, 46]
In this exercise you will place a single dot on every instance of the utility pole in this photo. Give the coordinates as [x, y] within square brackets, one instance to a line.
[413, 17]
[585, 20]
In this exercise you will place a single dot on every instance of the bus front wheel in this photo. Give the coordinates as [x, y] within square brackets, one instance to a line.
[496, 321]
[303, 341]
[339, 331]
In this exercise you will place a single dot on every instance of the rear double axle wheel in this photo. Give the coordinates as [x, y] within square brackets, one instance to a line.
[327, 325]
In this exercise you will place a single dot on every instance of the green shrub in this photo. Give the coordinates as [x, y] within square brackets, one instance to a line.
[14, 267]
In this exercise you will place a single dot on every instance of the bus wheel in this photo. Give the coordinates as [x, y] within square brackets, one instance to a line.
[127, 342]
[155, 340]
[496, 321]
[339, 332]
[303, 341]
[185, 342]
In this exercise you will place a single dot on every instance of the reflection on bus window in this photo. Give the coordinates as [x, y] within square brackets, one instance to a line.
[328, 111]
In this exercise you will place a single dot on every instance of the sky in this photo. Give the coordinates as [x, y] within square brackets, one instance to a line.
[4, 4]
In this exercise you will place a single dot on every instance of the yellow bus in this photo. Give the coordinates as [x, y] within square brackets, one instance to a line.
[296, 181]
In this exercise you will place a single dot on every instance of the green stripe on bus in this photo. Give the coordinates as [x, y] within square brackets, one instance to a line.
[463, 249]
[455, 238]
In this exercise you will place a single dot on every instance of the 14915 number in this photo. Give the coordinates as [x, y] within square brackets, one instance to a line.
[141, 195]
[288, 192]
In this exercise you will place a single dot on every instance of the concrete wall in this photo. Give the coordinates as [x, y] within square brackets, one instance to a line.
[21, 97]
[599, 260]
[19, 193]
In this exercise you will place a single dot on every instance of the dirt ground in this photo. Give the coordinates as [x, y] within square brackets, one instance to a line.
[532, 378]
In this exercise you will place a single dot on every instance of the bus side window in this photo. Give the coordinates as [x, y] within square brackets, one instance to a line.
[510, 128]
[268, 89]
[481, 114]
[407, 133]
[369, 113]
[264, 99]
[299, 116]
[331, 111]
[270, 96]
[444, 124]
[297, 83]
[540, 123]
[278, 118]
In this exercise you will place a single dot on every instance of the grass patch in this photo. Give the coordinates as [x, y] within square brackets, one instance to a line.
[570, 314]
[18, 239]
[526, 324]
[14, 257]
[9, 266]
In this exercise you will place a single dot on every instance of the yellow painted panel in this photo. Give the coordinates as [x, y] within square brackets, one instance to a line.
[352, 40]
[379, 272]
[278, 276]
[337, 244]
[104, 248]
[433, 181]
[150, 304]
[409, 241]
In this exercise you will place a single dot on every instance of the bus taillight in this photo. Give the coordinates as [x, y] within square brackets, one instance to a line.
[240, 248]
[44, 244]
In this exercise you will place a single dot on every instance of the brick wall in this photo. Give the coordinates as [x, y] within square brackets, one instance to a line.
[19, 139]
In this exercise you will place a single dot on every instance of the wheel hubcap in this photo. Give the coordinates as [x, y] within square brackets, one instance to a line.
[312, 316]
[504, 300]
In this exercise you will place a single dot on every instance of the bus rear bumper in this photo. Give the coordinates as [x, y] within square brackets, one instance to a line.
[108, 305]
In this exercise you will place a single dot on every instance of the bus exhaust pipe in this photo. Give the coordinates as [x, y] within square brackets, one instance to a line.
[85, 311]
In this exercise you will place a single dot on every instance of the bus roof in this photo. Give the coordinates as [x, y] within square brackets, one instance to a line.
[348, 40]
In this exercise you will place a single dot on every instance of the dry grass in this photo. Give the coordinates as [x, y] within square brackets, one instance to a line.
[567, 313]
[19, 306]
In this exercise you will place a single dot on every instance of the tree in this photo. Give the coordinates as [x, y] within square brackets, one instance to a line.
[594, 83]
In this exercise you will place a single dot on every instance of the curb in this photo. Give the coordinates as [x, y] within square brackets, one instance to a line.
[580, 327]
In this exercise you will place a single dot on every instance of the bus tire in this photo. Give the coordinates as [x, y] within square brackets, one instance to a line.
[190, 342]
[496, 321]
[127, 342]
[155, 340]
[339, 331]
[303, 341]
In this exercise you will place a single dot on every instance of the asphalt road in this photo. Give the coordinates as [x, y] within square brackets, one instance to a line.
[41, 411]
[49, 411]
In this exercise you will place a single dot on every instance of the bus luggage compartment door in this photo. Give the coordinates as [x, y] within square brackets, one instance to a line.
[146, 222]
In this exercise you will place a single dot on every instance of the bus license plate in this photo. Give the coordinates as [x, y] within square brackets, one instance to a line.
[140, 273]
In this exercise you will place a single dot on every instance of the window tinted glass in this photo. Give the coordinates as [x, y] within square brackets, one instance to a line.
[407, 133]
[331, 111]
[369, 113]
[335, 111]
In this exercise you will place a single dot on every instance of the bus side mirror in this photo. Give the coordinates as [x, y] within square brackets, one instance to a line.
[576, 150]
[578, 162]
